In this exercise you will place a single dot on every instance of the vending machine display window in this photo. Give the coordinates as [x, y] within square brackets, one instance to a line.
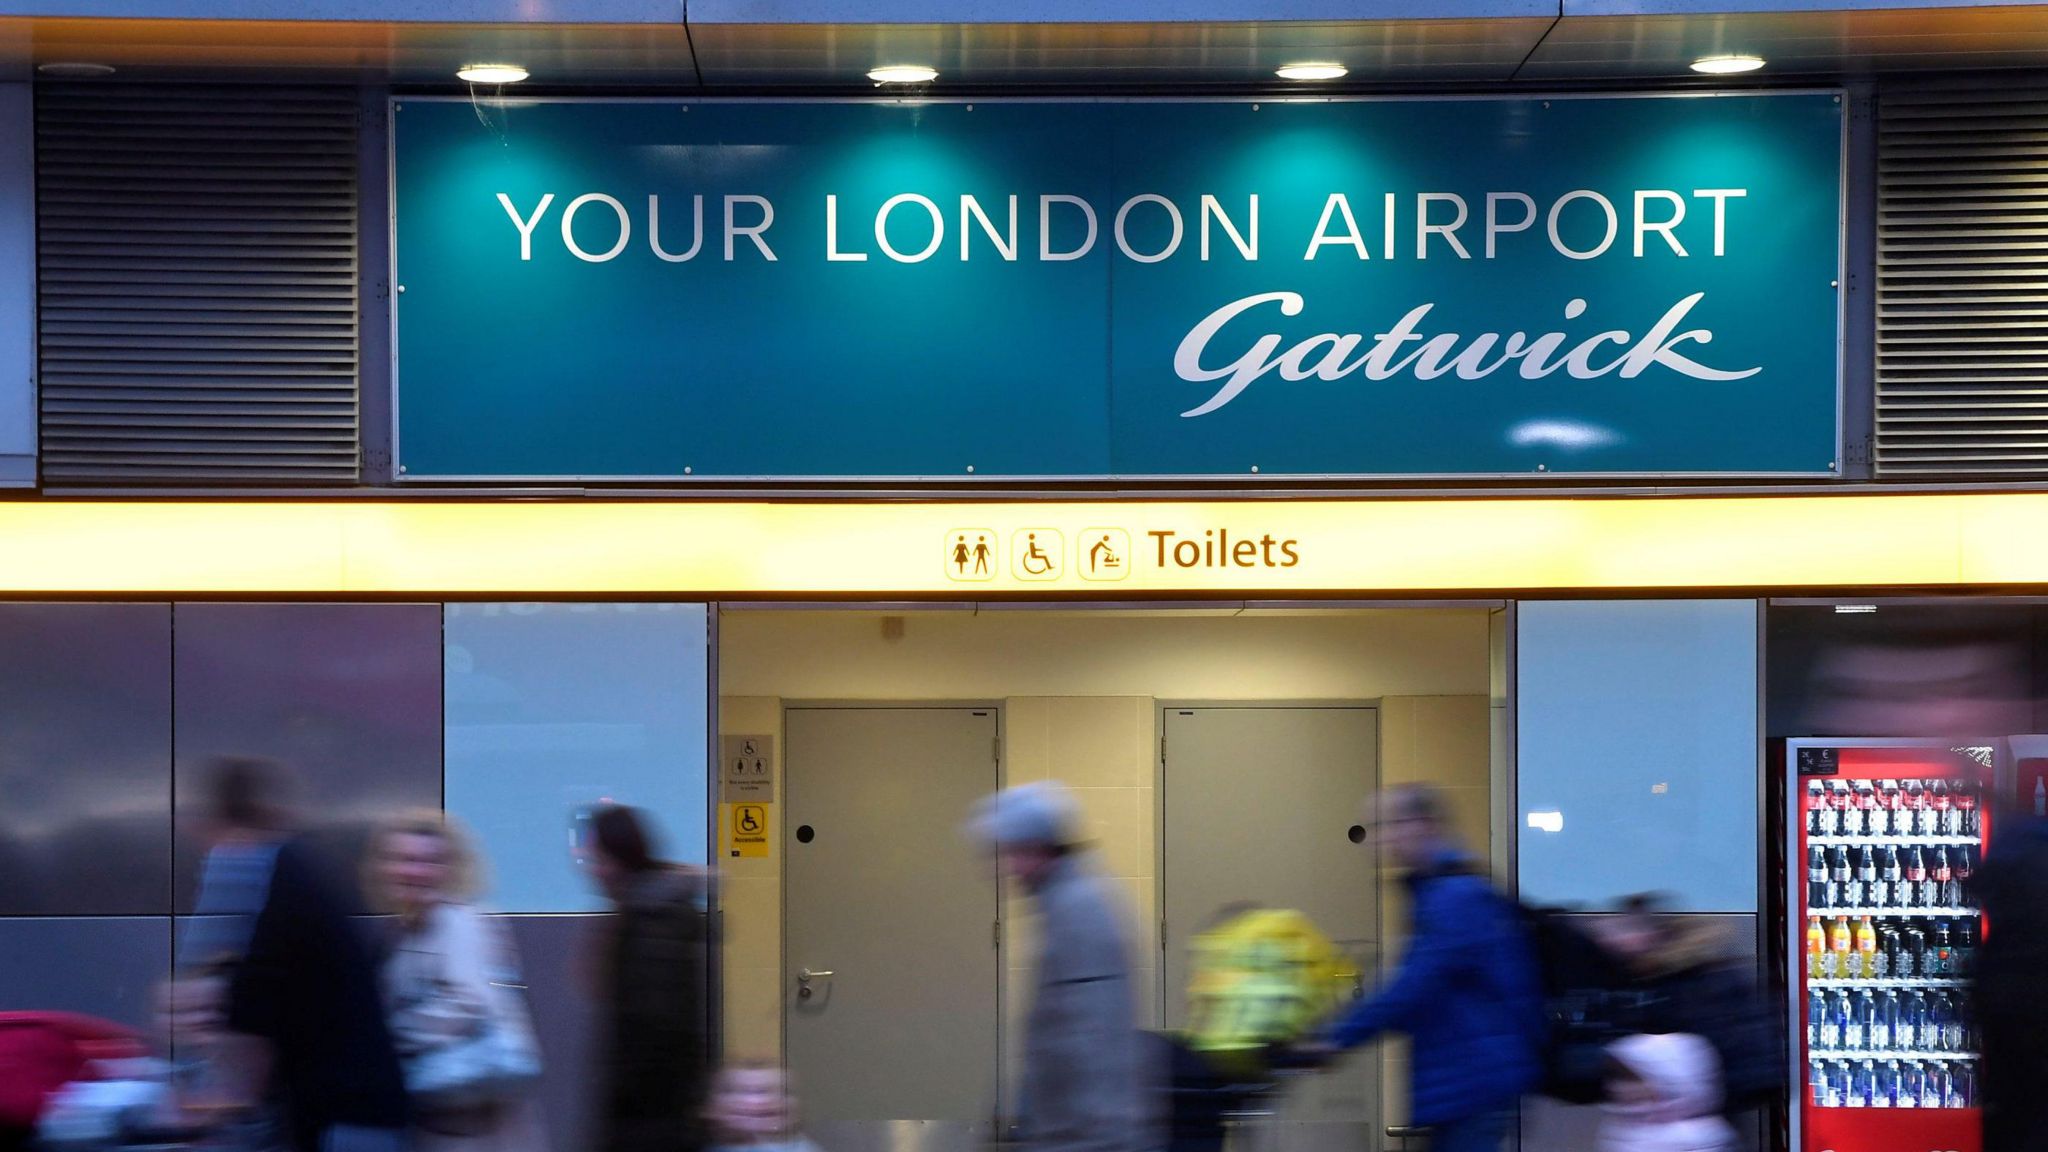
[1884, 837]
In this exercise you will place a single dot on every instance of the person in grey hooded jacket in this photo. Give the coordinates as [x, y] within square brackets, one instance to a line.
[1084, 1084]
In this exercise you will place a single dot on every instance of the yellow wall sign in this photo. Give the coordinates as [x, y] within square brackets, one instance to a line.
[986, 549]
[746, 830]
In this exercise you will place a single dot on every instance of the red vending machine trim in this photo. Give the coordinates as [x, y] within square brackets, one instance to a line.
[1882, 837]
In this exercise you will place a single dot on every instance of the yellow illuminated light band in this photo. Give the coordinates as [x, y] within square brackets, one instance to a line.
[978, 550]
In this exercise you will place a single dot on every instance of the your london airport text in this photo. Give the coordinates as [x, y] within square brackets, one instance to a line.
[1227, 348]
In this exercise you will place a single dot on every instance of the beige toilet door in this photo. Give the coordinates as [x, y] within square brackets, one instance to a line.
[891, 982]
[1261, 803]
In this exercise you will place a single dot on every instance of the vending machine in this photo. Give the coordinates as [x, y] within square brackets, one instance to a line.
[1882, 838]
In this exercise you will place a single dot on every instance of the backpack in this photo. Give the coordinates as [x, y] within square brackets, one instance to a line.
[1261, 977]
[1586, 995]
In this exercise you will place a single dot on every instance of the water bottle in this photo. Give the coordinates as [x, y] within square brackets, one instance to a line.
[1950, 1023]
[1856, 1036]
[1816, 1007]
[1941, 1023]
[1827, 1088]
[1863, 1085]
[1884, 1031]
[1912, 1017]
[1912, 1081]
[1886, 1094]
[1935, 1088]
[1962, 1085]
[1834, 1020]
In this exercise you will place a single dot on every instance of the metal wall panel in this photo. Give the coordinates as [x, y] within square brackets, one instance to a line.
[347, 696]
[396, 11]
[561, 1000]
[85, 759]
[1962, 321]
[17, 287]
[197, 274]
[101, 967]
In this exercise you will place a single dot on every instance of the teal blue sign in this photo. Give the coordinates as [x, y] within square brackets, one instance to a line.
[1005, 290]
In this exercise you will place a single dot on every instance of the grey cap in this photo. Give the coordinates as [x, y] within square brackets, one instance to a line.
[1041, 812]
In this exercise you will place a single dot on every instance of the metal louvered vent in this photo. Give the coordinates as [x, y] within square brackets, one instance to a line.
[1962, 320]
[197, 284]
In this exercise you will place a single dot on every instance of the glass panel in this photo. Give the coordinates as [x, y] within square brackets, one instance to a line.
[348, 696]
[554, 707]
[1637, 751]
[85, 759]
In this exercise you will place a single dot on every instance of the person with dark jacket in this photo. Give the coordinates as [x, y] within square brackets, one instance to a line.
[306, 985]
[654, 1068]
[2011, 886]
[1687, 978]
[1467, 993]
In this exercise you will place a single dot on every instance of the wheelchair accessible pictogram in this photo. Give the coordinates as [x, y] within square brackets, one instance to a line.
[1037, 554]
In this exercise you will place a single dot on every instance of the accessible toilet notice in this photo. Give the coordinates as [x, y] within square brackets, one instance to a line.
[1603, 284]
[746, 830]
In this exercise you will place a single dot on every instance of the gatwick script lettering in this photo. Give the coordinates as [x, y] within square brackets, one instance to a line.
[1332, 356]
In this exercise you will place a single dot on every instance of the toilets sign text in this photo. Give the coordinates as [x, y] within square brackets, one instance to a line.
[830, 290]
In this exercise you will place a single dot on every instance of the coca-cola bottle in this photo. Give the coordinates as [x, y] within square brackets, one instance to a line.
[1890, 878]
[1940, 875]
[1967, 815]
[1870, 813]
[1916, 877]
[1944, 811]
[1867, 889]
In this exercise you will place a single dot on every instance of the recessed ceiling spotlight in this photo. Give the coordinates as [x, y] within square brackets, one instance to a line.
[1727, 65]
[1312, 72]
[75, 69]
[903, 74]
[491, 73]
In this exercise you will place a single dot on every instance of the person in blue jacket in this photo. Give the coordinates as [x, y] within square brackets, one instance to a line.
[1468, 993]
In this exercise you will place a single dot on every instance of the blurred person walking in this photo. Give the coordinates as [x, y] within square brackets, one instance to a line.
[2011, 886]
[1688, 979]
[1467, 993]
[305, 983]
[1084, 1083]
[653, 1065]
[453, 993]
[1664, 1095]
[752, 1109]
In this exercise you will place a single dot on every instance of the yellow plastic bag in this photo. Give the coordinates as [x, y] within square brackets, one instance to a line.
[1261, 977]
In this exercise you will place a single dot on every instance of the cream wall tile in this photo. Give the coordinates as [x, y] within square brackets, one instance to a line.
[1141, 904]
[1026, 741]
[753, 1013]
[1453, 739]
[753, 921]
[1100, 741]
[1117, 823]
[1397, 740]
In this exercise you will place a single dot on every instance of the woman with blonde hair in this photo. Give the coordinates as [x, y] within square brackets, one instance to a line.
[452, 989]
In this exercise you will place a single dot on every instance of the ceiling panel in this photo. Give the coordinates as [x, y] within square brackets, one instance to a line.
[1845, 43]
[337, 51]
[702, 12]
[1114, 55]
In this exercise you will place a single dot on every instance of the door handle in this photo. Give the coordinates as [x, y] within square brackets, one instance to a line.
[805, 975]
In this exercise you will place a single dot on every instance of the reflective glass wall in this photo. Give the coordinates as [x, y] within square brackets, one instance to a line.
[512, 715]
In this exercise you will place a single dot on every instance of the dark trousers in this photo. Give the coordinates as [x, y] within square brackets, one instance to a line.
[1481, 1133]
